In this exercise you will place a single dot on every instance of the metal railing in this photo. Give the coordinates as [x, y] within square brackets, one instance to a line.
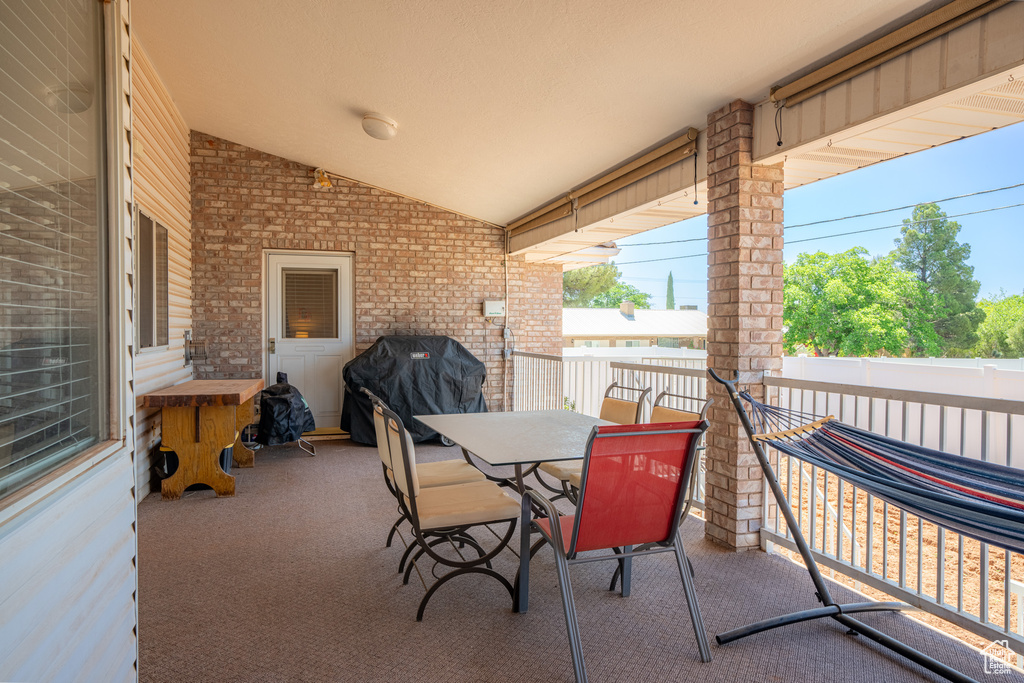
[537, 382]
[968, 583]
[547, 382]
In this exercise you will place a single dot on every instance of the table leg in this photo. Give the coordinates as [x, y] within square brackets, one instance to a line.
[198, 435]
[244, 415]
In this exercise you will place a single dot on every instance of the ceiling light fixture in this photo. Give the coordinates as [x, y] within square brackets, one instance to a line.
[379, 126]
[68, 99]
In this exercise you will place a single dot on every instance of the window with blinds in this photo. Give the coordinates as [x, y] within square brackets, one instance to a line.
[310, 304]
[151, 282]
[53, 336]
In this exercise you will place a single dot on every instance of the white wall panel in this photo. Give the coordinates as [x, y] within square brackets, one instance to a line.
[162, 187]
[67, 580]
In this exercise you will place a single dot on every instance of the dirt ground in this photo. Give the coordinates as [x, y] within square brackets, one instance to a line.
[931, 553]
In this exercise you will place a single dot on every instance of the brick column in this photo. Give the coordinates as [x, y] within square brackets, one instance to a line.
[744, 314]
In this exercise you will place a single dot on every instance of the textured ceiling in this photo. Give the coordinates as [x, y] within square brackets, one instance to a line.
[501, 106]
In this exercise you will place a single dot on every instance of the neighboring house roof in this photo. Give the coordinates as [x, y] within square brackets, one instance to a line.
[610, 322]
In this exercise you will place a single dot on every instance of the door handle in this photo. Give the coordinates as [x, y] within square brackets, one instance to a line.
[273, 345]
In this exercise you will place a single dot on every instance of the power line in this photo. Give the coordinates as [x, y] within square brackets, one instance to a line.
[839, 234]
[651, 244]
[909, 206]
[900, 225]
[653, 260]
[843, 218]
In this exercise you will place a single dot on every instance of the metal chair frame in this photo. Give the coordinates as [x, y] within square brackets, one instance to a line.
[624, 567]
[566, 490]
[428, 540]
[403, 568]
[566, 554]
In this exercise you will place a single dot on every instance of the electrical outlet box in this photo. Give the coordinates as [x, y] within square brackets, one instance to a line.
[494, 309]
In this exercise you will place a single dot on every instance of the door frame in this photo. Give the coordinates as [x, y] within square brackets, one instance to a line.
[265, 285]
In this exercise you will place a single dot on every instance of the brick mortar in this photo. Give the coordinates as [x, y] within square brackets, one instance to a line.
[417, 269]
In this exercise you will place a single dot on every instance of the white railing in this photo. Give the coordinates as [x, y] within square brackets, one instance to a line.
[546, 382]
[537, 382]
[968, 583]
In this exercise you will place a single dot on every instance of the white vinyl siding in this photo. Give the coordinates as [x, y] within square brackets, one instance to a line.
[162, 190]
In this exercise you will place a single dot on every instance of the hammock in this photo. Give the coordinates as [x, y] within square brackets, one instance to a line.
[981, 500]
[977, 499]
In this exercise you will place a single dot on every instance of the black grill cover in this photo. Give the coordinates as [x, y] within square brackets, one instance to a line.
[284, 415]
[413, 375]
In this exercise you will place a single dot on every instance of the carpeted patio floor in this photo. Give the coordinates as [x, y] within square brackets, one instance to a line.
[290, 581]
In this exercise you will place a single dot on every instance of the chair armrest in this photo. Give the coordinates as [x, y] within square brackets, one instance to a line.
[532, 496]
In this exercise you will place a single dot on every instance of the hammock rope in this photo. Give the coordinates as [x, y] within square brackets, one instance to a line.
[978, 499]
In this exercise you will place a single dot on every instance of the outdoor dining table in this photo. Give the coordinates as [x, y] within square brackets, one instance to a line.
[518, 438]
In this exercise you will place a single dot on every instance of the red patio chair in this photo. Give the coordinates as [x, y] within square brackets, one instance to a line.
[632, 494]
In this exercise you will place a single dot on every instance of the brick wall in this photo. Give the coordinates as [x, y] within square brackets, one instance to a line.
[418, 269]
[744, 314]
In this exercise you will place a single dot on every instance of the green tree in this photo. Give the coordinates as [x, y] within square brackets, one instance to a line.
[580, 286]
[619, 293]
[1001, 334]
[928, 248]
[848, 305]
[670, 297]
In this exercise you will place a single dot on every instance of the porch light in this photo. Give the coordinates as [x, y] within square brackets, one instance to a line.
[379, 126]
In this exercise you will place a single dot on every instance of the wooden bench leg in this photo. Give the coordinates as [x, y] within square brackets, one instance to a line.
[198, 436]
[244, 414]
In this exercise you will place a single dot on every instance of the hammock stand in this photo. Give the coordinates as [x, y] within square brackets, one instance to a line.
[830, 608]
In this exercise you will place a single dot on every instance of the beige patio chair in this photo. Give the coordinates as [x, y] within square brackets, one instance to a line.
[431, 474]
[662, 414]
[443, 515]
[617, 410]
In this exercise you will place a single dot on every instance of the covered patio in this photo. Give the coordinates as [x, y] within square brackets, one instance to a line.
[290, 580]
[213, 138]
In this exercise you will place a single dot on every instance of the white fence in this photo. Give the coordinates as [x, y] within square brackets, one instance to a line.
[986, 377]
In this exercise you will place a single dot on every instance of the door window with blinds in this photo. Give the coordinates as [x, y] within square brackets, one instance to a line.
[151, 281]
[310, 304]
[53, 237]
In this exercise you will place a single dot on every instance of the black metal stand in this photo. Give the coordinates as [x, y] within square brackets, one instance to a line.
[831, 608]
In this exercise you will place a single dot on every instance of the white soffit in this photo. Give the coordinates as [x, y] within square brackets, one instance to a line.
[971, 114]
[500, 106]
[991, 108]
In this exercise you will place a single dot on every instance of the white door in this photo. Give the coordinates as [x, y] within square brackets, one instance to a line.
[309, 327]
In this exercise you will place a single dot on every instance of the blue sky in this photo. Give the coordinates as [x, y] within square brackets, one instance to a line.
[984, 162]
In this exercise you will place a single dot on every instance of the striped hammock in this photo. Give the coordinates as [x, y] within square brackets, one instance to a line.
[981, 500]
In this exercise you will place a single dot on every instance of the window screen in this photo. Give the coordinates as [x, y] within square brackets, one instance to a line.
[53, 340]
[310, 304]
[151, 282]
